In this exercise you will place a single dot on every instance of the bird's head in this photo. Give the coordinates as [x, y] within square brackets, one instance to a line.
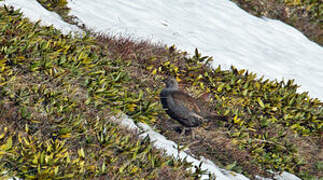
[171, 83]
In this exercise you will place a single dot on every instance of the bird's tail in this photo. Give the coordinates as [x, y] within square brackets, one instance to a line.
[215, 117]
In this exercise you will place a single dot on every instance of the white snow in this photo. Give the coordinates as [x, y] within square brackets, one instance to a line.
[171, 149]
[34, 11]
[217, 28]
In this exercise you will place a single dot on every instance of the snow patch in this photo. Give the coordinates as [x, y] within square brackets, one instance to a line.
[217, 28]
[171, 149]
[35, 12]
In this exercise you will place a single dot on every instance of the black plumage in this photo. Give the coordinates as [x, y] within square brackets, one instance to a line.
[180, 106]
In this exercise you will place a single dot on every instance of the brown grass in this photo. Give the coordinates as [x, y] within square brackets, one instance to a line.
[213, 141]
[298, 17]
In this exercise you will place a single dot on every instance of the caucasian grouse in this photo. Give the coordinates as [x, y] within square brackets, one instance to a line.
[180, 106]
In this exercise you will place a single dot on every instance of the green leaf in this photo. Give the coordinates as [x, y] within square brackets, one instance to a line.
[81, 153]
[8, 145]
[231, 166]
[220, 88]
[262, 105]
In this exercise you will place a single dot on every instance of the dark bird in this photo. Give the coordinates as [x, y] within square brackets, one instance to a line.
[180, 106]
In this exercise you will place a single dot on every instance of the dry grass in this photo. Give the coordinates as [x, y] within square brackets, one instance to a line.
[307, 18]
[213, 140]
[230, 144]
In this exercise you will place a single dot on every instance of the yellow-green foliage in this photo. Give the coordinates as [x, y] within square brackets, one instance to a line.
[263, 114]
[304, 15]
[313, 7]
[54, 5]
[60, 92]
[58, 6]
[58, 95]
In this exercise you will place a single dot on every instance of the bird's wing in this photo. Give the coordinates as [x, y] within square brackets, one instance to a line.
[186, 100]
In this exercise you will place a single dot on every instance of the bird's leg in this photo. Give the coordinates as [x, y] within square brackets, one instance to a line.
[183, 131]
[177, 128]
[187, 130]
[193, 134]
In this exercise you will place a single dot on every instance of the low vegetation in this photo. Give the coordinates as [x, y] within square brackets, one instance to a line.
[58, 94]
[304, 15]
[57, 97]
[60, 7]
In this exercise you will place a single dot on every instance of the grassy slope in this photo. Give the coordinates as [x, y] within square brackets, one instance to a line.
[304, 15]
[84, 81]
[58, 94]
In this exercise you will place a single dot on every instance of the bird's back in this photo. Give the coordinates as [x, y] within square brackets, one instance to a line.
[181, 107]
